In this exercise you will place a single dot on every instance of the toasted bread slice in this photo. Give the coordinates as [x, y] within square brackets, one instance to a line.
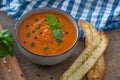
[86, 59]
[89, 31]
[97, 71]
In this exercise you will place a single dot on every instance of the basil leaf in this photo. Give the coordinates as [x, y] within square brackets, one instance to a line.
[57, 33]
[8, 38]
[59, 25]
[55, 25]
[6, 43]
[3, 51]
[11, 50]
[52, 20]
[3, 32]
[6, 46]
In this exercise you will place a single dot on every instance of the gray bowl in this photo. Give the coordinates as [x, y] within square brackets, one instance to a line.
[43, 59]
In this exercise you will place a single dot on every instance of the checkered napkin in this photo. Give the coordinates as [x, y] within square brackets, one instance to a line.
[103, 14]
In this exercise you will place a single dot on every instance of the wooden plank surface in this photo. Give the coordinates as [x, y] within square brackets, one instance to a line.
[10, 68]
[37, 72]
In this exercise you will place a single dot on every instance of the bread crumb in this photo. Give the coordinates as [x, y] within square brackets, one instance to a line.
[9, 70]
[4, 60]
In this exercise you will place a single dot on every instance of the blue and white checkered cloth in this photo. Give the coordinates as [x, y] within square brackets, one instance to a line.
[103, 14]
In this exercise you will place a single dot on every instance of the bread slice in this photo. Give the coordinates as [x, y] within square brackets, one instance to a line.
[97, 71]
[86, 59]
[89, 31]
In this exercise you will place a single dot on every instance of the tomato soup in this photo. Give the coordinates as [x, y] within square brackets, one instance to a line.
[36, 34]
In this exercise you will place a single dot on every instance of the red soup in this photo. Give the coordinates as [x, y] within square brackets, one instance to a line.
[47, 33]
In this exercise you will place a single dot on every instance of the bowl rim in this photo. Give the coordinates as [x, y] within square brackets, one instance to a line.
[53, 9]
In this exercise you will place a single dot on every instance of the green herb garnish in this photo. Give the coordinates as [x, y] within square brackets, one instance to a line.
[55, 25]
[59, 41]
[27, 35]
[38, 26]
[6, 46]
[33, 31]
[45, 47]
[53, 21]
[32, 44]
[57, 33]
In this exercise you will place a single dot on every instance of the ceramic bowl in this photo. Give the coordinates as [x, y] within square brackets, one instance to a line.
[41, 59]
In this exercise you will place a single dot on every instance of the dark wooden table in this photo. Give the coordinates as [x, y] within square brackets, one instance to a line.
[36, 72]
